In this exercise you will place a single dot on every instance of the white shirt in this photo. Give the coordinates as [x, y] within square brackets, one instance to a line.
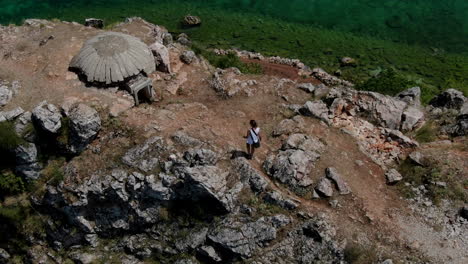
[252, 138]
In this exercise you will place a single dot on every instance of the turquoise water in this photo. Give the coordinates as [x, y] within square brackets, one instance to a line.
[432, 23]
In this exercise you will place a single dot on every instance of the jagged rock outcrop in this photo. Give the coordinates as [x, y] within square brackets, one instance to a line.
[22, 124]
[84, 126]
[227, 83]
[317, 109]
[328, 79]
[400, 138]
[4, 256]
[185, 140]
[393, 176]
[294, 161]
[417, 157]
[200, 156]
[411, 96]
[324, 187]
[341, 185]
[210, 253]
[308, 242]
[308, 87]
[6, 95]
[27, 165]
[47, 117]
[452, 99]
[208, 183]
[161, 57]
[145, 157]
[94, 22]
[385, 111]
[250, 175]
[188, 57]
[191, 21]
[11, 115]
[461, 126]
[276, 198]
[183, 39]
[289, 126]
[241, 238]
[411, 118]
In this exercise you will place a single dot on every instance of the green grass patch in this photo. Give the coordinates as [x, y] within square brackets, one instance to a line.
[53, 173]
[227, 61]
[386, 82]
[426, 133]
[428, 176]
[64, 133]
[9, 140]
[357, 254]
[10, 184]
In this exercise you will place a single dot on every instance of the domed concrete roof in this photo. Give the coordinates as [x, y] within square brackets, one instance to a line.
[111, 57]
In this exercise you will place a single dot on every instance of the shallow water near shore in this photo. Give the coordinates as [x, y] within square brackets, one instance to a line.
[426, 40]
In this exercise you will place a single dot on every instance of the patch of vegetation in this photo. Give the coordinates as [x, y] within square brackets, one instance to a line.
[53, 172]
[357, 254]
[431, 174]
[9, 140]
[17, 222]
[63, 137]
[426, 133]
[386, 82]
[264, 209]
[10, 184]
[227, 61]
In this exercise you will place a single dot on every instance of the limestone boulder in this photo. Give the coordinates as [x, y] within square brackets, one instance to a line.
[161, 57]
[317, 109]
[341, 185]
[308, 87]
[200, 156]
[393, 176]
[94, 22]
[292, 164]
[85, 124]
[145, 157]
[411, 96]
[11, 115]
[276, 198]
[5, 95]
[412, 117]
[47, 117]
[324, 187]
[250, 175]
[192, 21]
[242, 238]
[27, 164]
[451, 99]
[188, 57]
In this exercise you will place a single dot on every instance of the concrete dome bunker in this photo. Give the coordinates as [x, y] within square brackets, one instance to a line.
[116, 59]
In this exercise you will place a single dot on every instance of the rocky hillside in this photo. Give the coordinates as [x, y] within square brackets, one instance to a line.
[342, 175]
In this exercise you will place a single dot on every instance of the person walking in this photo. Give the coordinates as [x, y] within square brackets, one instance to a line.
[253, 139]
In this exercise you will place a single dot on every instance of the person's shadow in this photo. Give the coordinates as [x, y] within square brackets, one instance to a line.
[239, 154]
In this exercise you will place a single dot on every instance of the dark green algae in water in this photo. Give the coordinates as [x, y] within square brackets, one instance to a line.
[425, 41]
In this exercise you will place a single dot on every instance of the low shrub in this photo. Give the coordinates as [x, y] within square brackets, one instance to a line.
[428, 176]
[10, 184]
[228, 61]
[427, 133]
[387, 82]
[8, 137]
[357, 254]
